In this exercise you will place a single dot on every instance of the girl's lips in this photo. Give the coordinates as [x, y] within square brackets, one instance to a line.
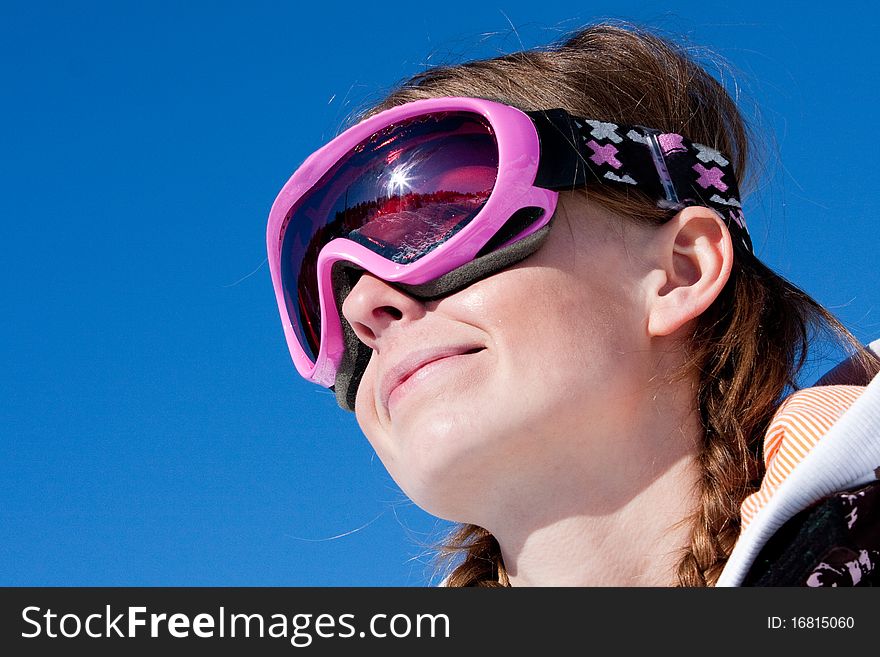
[415, 366]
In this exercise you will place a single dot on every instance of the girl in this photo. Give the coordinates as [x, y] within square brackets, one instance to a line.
[531, 279]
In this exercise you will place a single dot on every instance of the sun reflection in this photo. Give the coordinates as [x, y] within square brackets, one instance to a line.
[399, 182]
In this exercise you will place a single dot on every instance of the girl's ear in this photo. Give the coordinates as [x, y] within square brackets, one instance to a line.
[694, 256]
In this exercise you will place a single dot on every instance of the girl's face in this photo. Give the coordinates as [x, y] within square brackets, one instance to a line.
[473, 399]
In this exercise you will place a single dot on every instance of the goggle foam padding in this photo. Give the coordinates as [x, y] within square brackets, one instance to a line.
[345, 275]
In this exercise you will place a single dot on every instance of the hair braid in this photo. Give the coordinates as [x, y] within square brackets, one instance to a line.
[482, 564]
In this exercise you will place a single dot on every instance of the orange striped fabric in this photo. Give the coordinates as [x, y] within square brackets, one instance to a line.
[801, 420]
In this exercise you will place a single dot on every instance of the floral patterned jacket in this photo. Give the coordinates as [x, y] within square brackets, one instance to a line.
[836, 542]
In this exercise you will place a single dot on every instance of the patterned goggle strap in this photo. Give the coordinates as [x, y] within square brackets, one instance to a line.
[666, 166]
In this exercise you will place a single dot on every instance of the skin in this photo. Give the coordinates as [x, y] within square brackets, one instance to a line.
[563, 435]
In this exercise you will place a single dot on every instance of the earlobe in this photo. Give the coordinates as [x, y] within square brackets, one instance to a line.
[694, 256]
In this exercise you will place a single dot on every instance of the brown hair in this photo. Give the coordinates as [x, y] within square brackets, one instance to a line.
[748, 347]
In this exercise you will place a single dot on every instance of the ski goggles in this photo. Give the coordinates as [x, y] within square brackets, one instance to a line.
[434, 194]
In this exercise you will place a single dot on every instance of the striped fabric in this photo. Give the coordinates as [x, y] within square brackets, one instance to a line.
[799, 423]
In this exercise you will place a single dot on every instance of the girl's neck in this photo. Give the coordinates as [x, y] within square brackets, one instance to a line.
[622, 520]
[637, 544]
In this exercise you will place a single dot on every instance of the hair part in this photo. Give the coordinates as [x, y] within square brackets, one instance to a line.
[746, 350]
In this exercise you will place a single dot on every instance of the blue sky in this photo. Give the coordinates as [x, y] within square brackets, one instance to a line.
[153, 430]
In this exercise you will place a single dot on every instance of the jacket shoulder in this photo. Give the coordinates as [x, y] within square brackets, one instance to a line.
[834, 542]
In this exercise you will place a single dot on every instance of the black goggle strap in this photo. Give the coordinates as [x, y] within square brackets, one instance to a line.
[667, 167]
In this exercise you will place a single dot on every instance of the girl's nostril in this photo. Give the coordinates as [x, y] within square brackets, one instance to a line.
[364, 332]
[391, 310]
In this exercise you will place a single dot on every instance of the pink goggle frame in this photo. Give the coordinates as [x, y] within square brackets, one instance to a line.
[518, 151]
